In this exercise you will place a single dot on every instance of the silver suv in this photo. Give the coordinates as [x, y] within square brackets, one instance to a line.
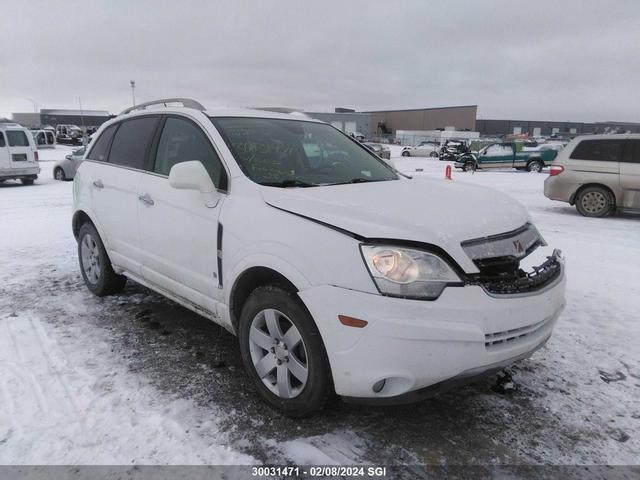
[598, 174]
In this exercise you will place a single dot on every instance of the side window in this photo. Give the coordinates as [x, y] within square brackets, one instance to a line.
[632, 152]
[602, 150]
[17, 138]
[130, 143]
[2, 144]
[499, 150]
[183, 141]
[101, 145]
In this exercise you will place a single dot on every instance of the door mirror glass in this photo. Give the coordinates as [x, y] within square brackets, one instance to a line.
[191, 176]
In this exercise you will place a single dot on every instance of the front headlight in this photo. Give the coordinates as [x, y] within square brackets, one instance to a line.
[409, 273]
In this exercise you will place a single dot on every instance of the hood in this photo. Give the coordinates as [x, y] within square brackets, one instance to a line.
[436, 211]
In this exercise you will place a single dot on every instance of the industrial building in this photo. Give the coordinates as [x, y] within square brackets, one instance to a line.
[53, 117]
[537, 128]
[387, 122]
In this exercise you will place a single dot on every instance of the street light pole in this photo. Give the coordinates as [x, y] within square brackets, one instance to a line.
[133, 91]
[35, 105]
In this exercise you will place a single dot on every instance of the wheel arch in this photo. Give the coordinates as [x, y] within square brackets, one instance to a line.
[250, 279]
[82, 216]
[572, 200]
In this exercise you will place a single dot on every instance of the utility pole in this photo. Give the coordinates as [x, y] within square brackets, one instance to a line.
[133, 91]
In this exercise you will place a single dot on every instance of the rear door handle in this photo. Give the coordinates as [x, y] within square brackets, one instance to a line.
[98, 184]
[146, 198]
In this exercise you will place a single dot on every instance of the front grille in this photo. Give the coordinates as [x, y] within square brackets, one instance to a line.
[519, 281]
[497, 339]
[498, 260]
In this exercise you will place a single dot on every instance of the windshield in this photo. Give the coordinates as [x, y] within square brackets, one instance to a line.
[292, 153]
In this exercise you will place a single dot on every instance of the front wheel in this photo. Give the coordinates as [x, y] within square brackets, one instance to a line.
[58, 174]
[469, 166]
[405, 153]
[95, 265]
[433, 154]
[283, 352]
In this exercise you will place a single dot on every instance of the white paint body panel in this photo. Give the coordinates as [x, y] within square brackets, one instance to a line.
[304, 234]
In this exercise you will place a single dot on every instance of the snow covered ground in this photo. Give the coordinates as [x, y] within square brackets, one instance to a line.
[137, 379]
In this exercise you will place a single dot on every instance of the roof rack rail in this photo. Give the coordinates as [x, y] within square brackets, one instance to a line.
[186, 102]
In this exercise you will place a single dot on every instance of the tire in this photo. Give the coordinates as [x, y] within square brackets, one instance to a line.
[433, 154]
[58, 174]
[595, 202]
[27, 181]
[405, 153]
[95, 264]
[296, 394]
[469, 166]
[535, 166]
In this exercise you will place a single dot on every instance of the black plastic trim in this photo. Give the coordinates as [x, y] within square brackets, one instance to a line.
[219, 242]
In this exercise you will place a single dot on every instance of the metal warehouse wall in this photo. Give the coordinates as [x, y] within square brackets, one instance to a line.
[504, 127]
[463, 117]
[362, 120]
[88, 121]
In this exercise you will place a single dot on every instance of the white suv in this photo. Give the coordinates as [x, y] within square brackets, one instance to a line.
[337, 273]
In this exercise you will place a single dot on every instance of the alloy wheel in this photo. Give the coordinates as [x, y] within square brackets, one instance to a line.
[59, 174]
[90, 255]
[278, 353]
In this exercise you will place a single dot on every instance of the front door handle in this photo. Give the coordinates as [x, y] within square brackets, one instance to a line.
[146, 198]
[98, 184]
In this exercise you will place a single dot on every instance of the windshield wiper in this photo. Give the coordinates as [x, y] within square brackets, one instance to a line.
[288, 184]
[358, 180]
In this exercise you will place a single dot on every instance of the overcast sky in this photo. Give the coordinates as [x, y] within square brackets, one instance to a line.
[538, 60]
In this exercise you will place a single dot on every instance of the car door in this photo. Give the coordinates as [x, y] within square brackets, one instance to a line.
[630, 175]
[113, 171]
[497, 155]
[21, 149]
[5, 158]
[179, 232]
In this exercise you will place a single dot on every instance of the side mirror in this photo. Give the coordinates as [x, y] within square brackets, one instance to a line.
[193, 176]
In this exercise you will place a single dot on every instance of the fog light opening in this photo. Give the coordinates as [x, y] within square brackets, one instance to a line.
[379, 385]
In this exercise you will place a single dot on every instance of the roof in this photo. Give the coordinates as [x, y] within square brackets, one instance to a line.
[223, 112]
[85, 113]
[13, 126]
[420, 109]
[610, 136]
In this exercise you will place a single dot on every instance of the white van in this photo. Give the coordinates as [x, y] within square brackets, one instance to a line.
[18, 154]
[338, 274]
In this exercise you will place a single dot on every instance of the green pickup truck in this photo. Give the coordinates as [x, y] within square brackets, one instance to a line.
[507, 155]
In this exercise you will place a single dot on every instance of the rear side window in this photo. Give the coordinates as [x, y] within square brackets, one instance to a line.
[632, 152]
[17, 138]
[182, 141]
[130, 143]
[101, 145]
[602, 150]
[2, 144]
